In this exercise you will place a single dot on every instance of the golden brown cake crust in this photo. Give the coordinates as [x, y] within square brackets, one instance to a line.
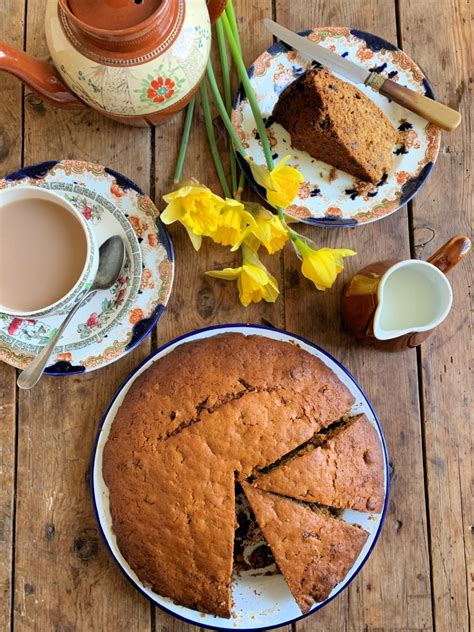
[313, 550]
[210, 409]
[335, 122]
[346, 471]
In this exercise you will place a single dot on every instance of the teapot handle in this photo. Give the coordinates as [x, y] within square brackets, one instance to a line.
[451, 253]
[40, 76]
[215, 8]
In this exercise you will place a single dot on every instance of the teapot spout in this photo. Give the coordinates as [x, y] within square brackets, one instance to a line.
[40, 76]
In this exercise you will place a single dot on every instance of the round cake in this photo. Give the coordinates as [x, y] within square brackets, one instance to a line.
[237, 408]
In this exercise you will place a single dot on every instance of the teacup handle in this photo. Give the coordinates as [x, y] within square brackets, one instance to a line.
[451, 253]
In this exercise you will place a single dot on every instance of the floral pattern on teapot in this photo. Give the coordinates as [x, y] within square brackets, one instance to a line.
[135, 90]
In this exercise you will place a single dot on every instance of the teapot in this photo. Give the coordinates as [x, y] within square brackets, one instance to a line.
[395, 305]
[136, 61]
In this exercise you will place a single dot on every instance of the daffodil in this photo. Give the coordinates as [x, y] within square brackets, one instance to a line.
[282, 183]
[196, 207]
[321, 266]
[267, 229]
[232, 224]
[254, 282]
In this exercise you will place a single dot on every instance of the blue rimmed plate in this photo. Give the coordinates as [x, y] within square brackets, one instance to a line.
[261, 600]
[112, 322]
[331, 197]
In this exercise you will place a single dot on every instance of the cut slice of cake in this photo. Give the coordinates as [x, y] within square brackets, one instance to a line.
[345, 471]
[337, 123]
[173, 510]
[313, 549]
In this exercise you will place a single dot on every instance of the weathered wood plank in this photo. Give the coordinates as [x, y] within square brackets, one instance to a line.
[447, 383]
[197, 300]
[11, 31]
[64, 577]
[393, 590]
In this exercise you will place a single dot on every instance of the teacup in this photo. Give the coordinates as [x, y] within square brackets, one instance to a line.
[395, 305]
[48, 253]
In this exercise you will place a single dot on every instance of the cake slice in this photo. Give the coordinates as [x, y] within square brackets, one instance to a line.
[335, 122]
[345, 471]
[173, 511]
[313, 550]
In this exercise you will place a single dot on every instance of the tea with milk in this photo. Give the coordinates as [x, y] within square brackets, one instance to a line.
[43, 250]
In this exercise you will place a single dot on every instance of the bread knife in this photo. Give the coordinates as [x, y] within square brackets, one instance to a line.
[439, 114]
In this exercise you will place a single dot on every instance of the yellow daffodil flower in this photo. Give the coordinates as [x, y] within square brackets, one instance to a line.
[254, 282]
[322, 266]
[232, 223]
[196, 207]
[282, 183]
[267, 229]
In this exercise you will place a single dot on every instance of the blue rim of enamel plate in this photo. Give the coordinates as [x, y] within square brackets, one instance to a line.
[409, 189]
[143, 328]
[218, 329]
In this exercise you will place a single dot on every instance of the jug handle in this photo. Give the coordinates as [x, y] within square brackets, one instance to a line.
[215, 8]
[451, 253]
[40, 76]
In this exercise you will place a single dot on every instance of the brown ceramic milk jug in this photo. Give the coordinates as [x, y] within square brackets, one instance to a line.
[395, 305]
[136, 61]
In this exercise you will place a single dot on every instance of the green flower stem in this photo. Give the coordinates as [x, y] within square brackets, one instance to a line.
[242, 70]
[234, 45]
[232, 34]
[222, 111]
[212, 139]
[184, 140]
[227, 94]
[240, 188]
[229, 10]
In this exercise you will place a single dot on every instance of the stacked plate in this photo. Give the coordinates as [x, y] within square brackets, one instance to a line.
[111, 323]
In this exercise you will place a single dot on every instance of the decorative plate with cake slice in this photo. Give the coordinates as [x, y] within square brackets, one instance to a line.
[236, 416]
[362, 156]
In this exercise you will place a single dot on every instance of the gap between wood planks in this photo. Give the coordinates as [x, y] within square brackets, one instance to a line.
[419, 371]
[17, 398]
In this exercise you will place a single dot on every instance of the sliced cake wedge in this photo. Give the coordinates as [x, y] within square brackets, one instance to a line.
[313, 549]
[337, 123]
[345, 471]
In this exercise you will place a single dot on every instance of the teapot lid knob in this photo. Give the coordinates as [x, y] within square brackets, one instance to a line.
[113, 15]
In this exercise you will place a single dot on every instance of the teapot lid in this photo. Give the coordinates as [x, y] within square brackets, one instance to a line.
[113, 15]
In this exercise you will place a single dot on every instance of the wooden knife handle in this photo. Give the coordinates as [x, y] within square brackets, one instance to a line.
[439, 114]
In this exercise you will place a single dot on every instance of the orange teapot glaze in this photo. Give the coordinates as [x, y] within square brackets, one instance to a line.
[363, 298]
[136, 61]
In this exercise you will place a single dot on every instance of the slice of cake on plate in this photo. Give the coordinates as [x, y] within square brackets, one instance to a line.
[345, 471]
[337, 123]
[313, 549]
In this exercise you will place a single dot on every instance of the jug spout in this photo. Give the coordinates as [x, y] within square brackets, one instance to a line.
[40, 76]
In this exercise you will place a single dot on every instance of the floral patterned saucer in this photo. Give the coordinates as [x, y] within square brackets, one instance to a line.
[112, 322]
[330, 197]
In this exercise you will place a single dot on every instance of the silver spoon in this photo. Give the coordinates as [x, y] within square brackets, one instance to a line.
[111, 260]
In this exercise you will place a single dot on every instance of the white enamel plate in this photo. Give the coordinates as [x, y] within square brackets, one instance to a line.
[261, 601]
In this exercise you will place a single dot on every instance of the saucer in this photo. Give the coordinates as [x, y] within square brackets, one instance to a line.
[330, 197]
[111, 322]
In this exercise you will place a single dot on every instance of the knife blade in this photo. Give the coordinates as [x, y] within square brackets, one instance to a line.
[433, 111]
[324, 56]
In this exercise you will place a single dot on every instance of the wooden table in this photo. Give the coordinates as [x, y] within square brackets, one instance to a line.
[55, 573]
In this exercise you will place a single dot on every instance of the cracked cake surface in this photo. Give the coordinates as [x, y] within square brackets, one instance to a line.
[207, 412]
[345, 471]
[314, 550]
